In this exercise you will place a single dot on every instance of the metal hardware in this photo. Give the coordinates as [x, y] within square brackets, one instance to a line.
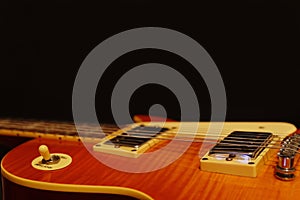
[241, 145]
[53, 160]
[287, 156]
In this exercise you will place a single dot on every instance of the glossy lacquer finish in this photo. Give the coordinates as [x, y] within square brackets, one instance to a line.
[87, 178]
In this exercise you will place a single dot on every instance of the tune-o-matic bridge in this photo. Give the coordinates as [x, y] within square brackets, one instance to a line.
[287, 157]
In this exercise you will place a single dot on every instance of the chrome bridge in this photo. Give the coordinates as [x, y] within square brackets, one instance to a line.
[287, 157]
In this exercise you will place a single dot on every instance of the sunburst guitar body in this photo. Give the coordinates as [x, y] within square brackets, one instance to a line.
[236, 160]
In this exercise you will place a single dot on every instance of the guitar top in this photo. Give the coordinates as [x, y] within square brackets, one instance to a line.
[221, 175]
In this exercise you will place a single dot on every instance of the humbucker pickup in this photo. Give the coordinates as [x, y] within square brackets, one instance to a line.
[241, 143]
[131, 142]
[238, 153]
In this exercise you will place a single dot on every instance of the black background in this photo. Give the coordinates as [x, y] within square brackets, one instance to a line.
[255, 45]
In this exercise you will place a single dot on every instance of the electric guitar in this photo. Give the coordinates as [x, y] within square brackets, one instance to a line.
[152, 160]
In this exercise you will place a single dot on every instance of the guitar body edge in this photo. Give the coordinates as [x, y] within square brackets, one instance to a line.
[15, 188]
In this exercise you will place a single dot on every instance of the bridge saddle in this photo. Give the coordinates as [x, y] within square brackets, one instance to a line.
[287, 156]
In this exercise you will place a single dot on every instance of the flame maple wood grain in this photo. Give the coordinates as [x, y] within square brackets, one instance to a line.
[181, 180]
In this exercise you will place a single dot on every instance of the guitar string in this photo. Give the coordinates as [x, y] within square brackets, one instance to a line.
[46, 128]
[207, 141]
[56, 124]
[85, 128]
[61, 126]
[145, 133]
[65, 127]
[81, 128]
